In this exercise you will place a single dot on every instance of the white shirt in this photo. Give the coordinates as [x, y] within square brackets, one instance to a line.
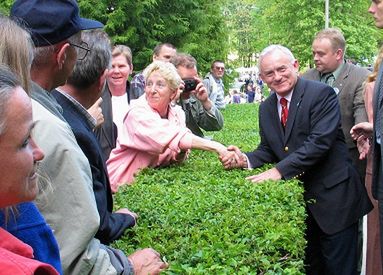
[120, 107]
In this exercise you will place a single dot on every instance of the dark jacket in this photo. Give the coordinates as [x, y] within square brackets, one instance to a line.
[313, 149]
[112, 225]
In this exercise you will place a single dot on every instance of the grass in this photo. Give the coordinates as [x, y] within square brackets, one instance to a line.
[205, 220]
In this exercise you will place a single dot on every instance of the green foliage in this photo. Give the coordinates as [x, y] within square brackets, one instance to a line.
[294, 24]
[190, 25]
[5, 6]
[209, 30]
[206, 220]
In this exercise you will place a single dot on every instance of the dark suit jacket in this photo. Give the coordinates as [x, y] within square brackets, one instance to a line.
[312, 148]
[377, 184]
[112, 225]
[350, 84]
[106, 133]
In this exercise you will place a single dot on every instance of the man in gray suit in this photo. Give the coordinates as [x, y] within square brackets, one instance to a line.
[347, 79]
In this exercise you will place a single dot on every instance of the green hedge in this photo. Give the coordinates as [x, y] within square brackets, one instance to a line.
[206, 220]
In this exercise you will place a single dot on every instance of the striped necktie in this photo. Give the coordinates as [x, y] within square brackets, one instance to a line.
[284, 112]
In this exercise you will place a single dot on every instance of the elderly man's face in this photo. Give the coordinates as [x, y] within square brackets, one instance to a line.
[218, 70]
[279, 72]
[376, 9]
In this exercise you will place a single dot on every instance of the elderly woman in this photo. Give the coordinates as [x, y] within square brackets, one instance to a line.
[154, 132]
[18, 171]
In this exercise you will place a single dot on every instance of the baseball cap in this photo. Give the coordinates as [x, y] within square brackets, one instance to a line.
[51, 21]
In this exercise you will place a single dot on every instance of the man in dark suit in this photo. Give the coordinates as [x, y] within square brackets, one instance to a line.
[329, 47]
[76, 97]
[107, 132]
[301, 132]
[83, 88]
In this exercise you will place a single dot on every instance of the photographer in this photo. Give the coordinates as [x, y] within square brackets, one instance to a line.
[199, 109]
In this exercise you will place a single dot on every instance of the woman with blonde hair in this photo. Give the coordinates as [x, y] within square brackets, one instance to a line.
[16, 50]
[24, 220]
[18, 182]
[154, 132]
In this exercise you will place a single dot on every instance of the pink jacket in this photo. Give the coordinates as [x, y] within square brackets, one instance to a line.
[16, 257]
[147, 140]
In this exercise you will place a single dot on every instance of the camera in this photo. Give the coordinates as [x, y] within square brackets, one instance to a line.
[190, 84]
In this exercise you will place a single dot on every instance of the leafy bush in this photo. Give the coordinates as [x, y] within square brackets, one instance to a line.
[206, 220]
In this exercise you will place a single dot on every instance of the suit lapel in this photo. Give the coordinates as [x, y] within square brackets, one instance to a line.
[339, 82]
[274, 115]
[106, 109]
[293, 108]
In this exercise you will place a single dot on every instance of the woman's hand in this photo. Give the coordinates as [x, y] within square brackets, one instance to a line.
[363, 128]
[362, 133]
[363, 145]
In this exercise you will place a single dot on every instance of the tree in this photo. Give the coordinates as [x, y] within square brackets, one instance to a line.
[294, 24]
[194, 26]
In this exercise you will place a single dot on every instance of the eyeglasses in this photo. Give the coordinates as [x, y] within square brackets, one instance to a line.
[220, 68]
[82, 50]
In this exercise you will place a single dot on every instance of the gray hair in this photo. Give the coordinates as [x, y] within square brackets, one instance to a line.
[41, 54]
[166, 70]
[8, 82]
[273, 48]
[87, 71]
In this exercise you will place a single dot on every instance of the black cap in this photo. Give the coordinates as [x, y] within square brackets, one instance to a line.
[51, 21]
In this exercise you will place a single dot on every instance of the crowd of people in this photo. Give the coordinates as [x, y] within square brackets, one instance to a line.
[84, 130]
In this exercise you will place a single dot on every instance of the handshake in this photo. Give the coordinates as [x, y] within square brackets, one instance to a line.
[231, 157]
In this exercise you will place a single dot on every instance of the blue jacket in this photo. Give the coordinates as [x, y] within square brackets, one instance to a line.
[29, 226]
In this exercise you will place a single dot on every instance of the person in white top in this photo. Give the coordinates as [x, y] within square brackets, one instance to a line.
[118, 83]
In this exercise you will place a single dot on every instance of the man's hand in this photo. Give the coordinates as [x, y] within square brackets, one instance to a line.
[147, 261]
[271, 174]
[128, 212]
[200, 91]
[96, 112]
[363, 128]
[202, 95]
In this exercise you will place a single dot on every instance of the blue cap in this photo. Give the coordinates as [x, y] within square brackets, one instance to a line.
[51, 21]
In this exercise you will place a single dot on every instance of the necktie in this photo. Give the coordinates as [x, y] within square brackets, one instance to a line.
[285, 111]
[328, 78]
